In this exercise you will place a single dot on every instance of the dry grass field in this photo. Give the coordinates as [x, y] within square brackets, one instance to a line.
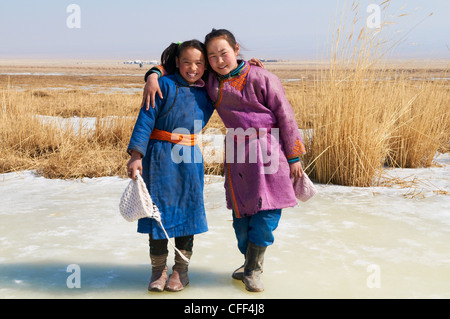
[359, 108]
[28, 142]
[363, 119]
[357, 121]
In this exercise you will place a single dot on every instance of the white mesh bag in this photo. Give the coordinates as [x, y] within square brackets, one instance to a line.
[136, 203]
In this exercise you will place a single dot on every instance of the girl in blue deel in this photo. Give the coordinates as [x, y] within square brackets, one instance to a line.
[163, 147]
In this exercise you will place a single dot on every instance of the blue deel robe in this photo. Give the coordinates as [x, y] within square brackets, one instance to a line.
[172, 172]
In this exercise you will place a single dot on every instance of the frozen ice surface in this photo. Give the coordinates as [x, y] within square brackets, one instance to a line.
[347, 242]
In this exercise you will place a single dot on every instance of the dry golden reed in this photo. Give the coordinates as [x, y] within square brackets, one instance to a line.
[360, 114]
[357, 113]
[62, 151]
[422, 128]
[353, 127]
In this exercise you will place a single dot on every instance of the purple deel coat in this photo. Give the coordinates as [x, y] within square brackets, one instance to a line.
[262, 135]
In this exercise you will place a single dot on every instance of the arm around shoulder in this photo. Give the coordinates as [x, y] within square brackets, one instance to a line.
[152, 86]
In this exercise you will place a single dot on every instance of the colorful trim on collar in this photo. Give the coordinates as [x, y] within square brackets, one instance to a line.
[233, 73]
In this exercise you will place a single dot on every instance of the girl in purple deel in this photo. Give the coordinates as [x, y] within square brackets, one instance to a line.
[263, 146]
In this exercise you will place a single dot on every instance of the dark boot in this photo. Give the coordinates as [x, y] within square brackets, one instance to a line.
[179, 277]
[253, 267]
[238, 274]
[159, 273]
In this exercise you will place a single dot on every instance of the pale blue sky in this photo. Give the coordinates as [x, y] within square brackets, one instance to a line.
[141, 29]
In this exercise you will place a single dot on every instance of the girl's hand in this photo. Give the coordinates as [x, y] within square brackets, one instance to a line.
[256, 62]
[150, 90]
[134, 164]
[296, 170]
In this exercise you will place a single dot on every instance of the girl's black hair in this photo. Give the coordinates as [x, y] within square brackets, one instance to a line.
[227, 35]
[174, 50]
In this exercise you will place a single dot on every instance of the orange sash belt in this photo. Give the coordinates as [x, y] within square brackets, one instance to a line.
[183, 139]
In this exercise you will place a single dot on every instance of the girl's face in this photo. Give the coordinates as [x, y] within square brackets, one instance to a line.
[191, 65]
[222, 56]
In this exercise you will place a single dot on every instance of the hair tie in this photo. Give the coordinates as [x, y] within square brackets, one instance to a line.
[179, 42]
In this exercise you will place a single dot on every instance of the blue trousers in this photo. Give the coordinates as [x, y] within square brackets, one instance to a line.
[257, 228]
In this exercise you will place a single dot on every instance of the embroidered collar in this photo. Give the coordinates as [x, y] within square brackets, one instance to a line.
[235, 72]
[200, 83]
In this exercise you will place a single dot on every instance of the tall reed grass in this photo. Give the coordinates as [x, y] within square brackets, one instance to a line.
[362, 115]
[422, 127]
[359, 114]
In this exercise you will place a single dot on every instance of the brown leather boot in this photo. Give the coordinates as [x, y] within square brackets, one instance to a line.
[253, 267]
[159, 272]
[179, 277]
